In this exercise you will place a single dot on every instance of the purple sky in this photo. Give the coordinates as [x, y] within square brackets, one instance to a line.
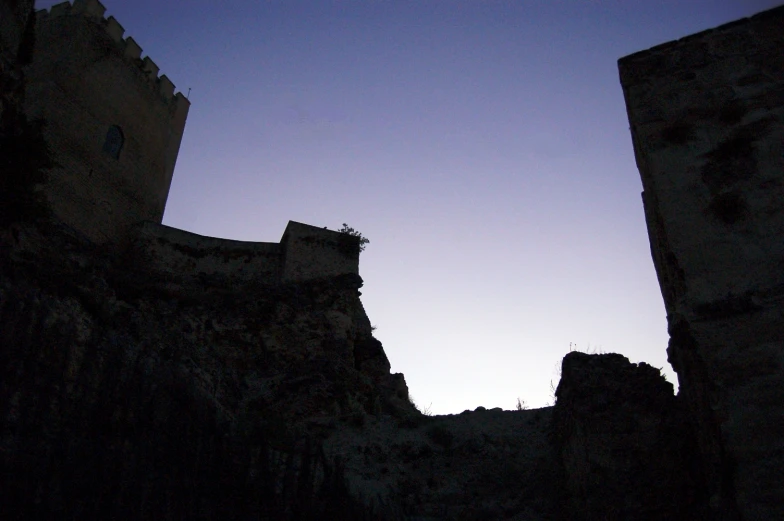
[481, 146]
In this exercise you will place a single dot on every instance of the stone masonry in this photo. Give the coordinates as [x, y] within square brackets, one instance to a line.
[305, 252]
[706, 116]
[14, 24]
[113, 124]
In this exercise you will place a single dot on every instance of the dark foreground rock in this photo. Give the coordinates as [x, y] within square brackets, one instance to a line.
[625, 442]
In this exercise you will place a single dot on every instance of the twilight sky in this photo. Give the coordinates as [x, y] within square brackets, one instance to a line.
[482, 146]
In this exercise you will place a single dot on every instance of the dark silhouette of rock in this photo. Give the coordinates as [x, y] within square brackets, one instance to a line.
[624, 442]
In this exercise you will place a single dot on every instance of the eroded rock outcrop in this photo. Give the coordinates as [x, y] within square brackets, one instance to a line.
[123, 396]
[15, 45]
[624, 442]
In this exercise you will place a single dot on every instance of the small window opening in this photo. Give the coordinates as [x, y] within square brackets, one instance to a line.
[114, 141]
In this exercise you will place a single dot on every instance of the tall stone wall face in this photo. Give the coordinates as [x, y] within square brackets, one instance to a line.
[706, 115]
[305, 253]
[176, 252]
[15, 15]
[85, 79]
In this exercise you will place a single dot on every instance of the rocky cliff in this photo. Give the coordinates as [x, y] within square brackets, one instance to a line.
[126, 397]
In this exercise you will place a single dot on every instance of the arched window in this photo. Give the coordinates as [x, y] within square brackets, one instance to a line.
[114, 141]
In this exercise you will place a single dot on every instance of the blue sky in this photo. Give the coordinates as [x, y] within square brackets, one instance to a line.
[482, 147]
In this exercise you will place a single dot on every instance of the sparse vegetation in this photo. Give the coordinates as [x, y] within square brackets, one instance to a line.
[589, 350]
[521, 405]
[553, 397]
[348, 230]
[424, 410]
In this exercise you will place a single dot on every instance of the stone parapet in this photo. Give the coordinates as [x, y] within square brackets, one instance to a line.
[93, 10]
[305, 253]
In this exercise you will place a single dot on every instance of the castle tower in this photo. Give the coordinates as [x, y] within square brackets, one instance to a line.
[113, 125]
[14, 18]
[706, 115]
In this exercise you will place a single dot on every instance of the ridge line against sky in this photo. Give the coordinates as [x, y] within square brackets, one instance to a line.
[482, 147]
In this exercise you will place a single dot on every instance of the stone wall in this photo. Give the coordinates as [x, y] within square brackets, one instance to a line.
[624, 442]
[15, 17]
[84, 79]
[312, 252]
[169, 250]
[304, 253]
[706, 117]
[13, 20]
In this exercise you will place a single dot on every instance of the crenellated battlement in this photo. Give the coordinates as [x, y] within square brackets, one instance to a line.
[94, 11]
[115, 122]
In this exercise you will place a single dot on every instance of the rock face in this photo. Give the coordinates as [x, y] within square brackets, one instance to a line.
[126, 393]
[624, 442]
[126, 396]
[15, 46]
[123, 396]
[706, 117]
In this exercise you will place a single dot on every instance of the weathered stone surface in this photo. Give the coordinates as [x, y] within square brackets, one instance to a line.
[16, 30]
[706, 117]
[113, 126]
[14, 18]
[486, 464]
[624, 443]
[126, 396]
[123, 396]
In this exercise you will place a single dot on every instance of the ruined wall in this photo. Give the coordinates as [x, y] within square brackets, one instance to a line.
[83, 80]
[15, 17]
[624, 443]
[125, 395]
[174, 251]
[706, 118]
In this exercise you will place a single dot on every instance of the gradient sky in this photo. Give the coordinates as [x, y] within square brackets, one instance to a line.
[482, 147]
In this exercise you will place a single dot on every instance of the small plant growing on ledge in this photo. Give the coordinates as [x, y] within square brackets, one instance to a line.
[348, 230]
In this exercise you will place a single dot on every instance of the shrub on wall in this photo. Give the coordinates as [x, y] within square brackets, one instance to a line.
[352, 245]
